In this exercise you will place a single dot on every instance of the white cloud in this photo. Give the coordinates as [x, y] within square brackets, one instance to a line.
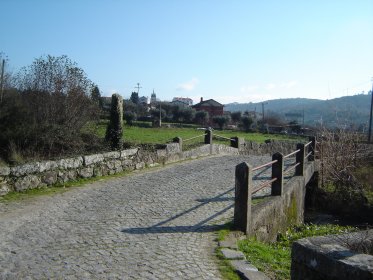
[270, 86]
[289, 84]
[188, 86]
[249, 88]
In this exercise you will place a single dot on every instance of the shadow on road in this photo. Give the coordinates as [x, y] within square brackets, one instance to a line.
[199, 227]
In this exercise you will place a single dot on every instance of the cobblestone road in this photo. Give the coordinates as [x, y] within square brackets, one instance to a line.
[155, 224]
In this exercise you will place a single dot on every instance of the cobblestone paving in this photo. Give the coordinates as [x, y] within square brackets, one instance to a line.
[155, 224]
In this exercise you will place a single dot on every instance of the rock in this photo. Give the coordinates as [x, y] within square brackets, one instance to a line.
[47, 165]
[140, 165]
[161, 153]
[129, 152]
[173, 148]
[4, 171]
[86, 172]
[4, 188]
[70, 163]
[243, 265]
[64, 176]
[49, 178]
[97, 171]
[25, 169]
[27, 182]
[247, 271]
[91, 159]
[111, 155]
[232, 254]
[127, 163]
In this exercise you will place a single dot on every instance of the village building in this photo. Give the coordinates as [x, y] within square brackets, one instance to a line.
[212, 107]
[182, 101]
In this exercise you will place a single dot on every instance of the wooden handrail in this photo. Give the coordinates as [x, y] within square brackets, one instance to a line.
[263, 185]
[264, 165]
[293, 153]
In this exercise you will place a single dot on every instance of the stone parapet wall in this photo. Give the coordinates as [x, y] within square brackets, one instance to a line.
[341, 257]
[47, 173]
[277, 213]
[267, 148]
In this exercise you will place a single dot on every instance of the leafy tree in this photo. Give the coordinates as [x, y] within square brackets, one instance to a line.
[155, 113]
[134, 97]
[221, 121]
[96, 95]
[246, 122]
[187, 115]
[236, 117]
[201, 117]
[130, 117]
[295, 127]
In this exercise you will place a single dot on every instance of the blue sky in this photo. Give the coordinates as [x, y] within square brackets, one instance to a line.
[231, 51]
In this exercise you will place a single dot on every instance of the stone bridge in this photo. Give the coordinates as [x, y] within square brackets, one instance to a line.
[159, 223]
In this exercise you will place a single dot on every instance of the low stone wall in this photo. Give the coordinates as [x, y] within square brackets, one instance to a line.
[47, 173]
[277, 213]
[331, 257]
[268, 148]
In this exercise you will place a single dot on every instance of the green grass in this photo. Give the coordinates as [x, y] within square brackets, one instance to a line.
[143, 134]
[275, 259]
[55, 189]
[224, 265]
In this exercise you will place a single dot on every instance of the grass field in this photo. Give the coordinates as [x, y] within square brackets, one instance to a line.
[144, 134]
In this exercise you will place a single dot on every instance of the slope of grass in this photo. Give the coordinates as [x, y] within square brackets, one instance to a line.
[275, 259]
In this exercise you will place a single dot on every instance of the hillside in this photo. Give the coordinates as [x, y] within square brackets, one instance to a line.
[344, 110]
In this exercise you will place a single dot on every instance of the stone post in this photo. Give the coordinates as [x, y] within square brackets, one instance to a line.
[299, 170]
[277, 172]
[180, 142]
[235, 142]
[242, 200]
[114, 129]
[208, 136]
[312, 148]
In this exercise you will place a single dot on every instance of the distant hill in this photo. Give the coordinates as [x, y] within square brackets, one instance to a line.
[345, 110]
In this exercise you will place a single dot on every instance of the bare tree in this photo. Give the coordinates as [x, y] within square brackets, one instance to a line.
[53, 104]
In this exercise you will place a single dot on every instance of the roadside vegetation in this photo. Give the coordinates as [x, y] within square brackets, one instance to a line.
[345, 174]
[274, 259]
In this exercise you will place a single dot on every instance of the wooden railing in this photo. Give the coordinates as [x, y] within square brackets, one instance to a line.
[208, 139]
[244, 187]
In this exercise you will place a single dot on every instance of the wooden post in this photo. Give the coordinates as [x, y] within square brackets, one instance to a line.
[242, 200]
[277, 172]
[180, 141]
[299, 170]
[312, 148]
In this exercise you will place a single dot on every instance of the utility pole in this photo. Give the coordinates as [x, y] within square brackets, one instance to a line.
[2, 81]
[370, 117]
[263, 103]
[160, 113]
